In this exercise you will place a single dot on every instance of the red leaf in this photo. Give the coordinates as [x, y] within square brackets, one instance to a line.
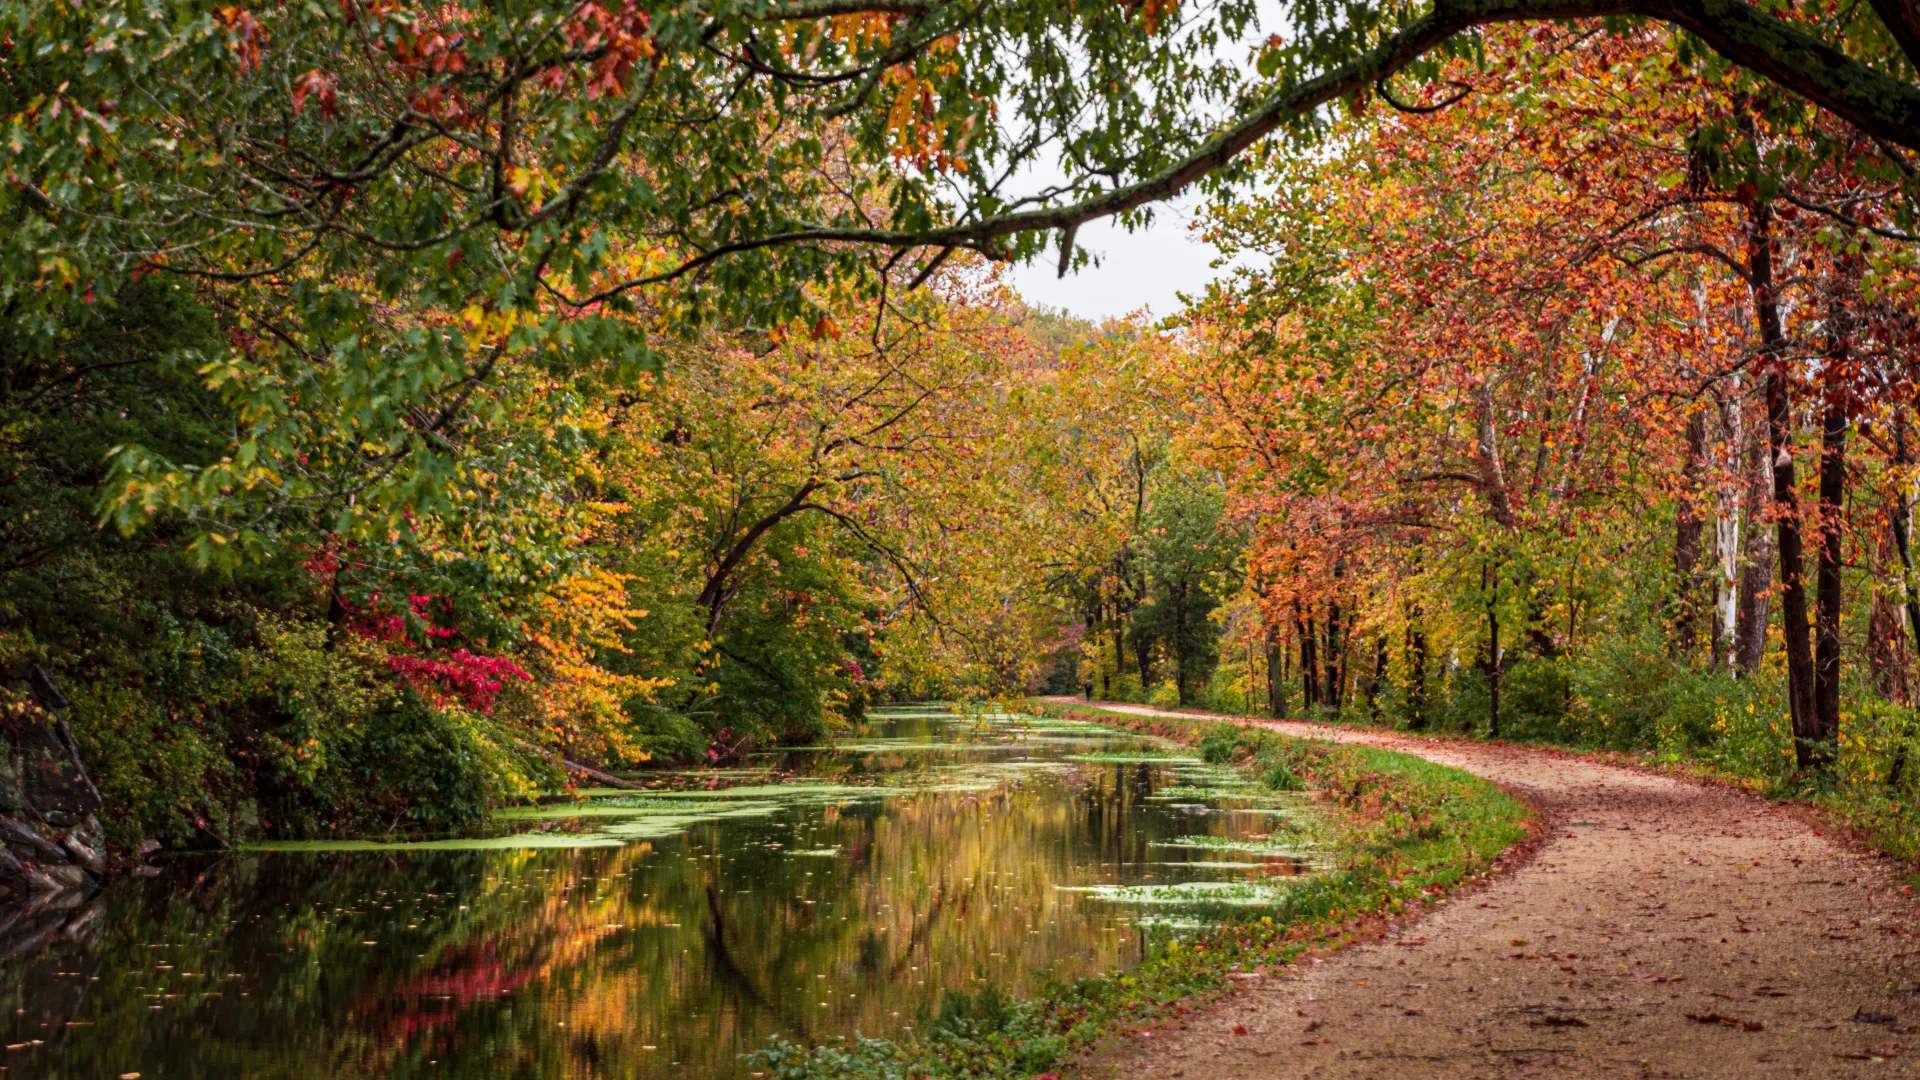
[318, 85]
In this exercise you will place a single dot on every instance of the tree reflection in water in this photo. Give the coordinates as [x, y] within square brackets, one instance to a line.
[666, 957]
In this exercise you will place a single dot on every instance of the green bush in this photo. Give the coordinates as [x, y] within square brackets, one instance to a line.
[1220, 744]
[160, 776]
[1534, 697]
[1283, 764]
[1463, 703]
[1126, 687]
[1739, 725]
[404, 765]
[212, 734]
[1280, 776]
[665, 733]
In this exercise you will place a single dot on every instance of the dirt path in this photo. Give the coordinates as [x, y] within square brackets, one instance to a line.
[1651, 900]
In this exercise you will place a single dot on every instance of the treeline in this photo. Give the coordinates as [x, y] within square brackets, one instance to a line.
[1580, 409]
[745, 548]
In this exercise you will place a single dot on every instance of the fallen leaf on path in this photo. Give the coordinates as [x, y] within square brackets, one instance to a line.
[1560, 1021]
[1717, 1018]
[1865, 1017]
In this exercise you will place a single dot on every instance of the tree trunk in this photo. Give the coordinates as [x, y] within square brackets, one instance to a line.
[1786, 497]
[1689, 526]
[1251, 699]
[1276, 701]
[1286, 679]
[1309, 664]
[1726, 540]
[1887, 654]
[1094, 611]
[1379, 676]
[1416, 673]
[1493, 652]
[1793, 597]
[1827, 582]
[1179, 643]
[1756, 572]
[1899, 514]
[1335, 684]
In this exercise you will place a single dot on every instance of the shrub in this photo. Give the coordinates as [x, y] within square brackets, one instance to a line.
[1619, 689]
[1220, 744]
[1126, 687]
[1279, 776]
[1534, 696]
[215, 733]
[1282, 764]
[1464, 703]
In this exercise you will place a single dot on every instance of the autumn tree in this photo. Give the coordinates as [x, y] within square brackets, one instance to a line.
[1464, 371]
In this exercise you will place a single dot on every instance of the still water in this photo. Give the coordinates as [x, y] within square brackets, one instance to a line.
[812, 894]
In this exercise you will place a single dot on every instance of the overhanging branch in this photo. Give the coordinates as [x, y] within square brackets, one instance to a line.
[1877, 103]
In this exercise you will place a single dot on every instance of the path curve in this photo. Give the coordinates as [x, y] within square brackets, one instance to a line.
[1650, 900]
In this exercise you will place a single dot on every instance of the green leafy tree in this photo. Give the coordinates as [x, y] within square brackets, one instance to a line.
[1187, 549]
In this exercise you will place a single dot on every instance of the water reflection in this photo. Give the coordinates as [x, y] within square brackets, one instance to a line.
[937, 854]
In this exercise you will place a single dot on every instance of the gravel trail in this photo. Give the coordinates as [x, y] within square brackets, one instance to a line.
[1663, 928]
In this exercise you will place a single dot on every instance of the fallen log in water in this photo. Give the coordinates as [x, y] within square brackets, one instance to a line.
[606, 778]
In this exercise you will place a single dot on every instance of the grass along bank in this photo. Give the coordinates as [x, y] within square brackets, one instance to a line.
[1397, 833]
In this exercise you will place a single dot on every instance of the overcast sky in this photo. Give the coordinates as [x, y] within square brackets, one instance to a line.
[1144, 269]
[1140, 269]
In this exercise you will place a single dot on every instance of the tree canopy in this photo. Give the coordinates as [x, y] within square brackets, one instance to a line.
[414, 216]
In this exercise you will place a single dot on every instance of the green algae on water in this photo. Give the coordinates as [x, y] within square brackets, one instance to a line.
[1188, 893]
[1227, 843]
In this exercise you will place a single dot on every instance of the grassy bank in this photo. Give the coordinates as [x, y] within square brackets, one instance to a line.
[1398, 833]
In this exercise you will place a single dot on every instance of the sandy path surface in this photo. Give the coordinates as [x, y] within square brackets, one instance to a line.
[1650, 901]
